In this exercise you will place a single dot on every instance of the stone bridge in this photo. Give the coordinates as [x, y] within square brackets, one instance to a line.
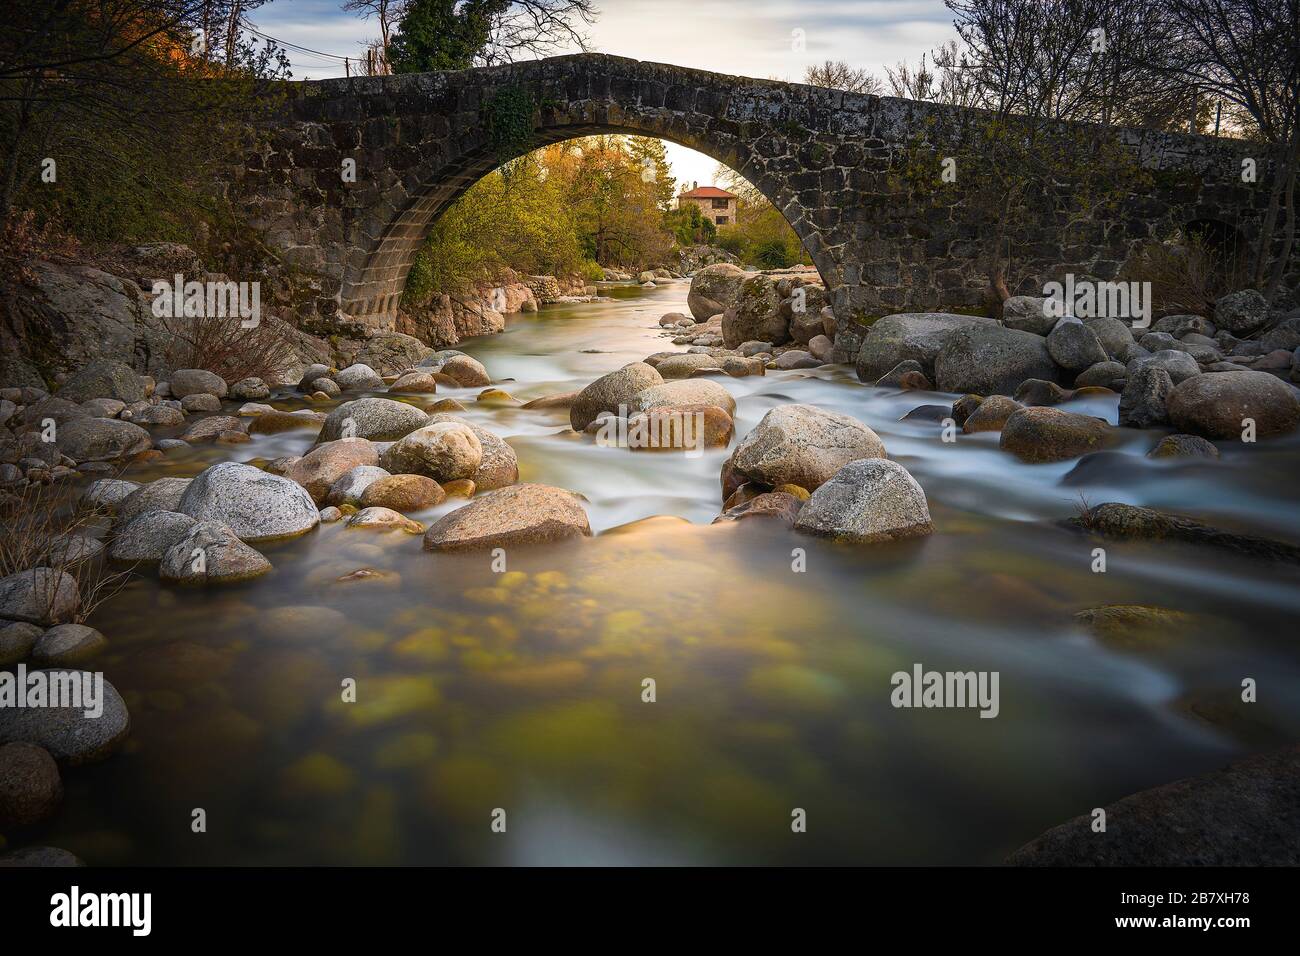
[829, 160]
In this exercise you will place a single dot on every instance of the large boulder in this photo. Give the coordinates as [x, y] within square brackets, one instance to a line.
[30, 787]
[1144, 401]
[466, 372]
[915, 336]
[78, 314]
[67, 733]
[17, 638]
[216, 427]
[1245, 814]
[518, 516]
[803, 445]
[1216, 405]
[499, 466]
[103, 378]
[1043, 434]
[685, 428]
[443, 451]
[391, 352]
[358, 377]
[325, 464]
[685, 364]
[107, 494]
[780, 505]
[1178, 364]
[610, 391]
[756, 315]
[352, 485]
[991, 415]
[403, 493]
[1241, 312]
[274, 421]
[210, 553]
[1029, 313]
[42, 596]
[1114, 334]
[65, 645]
[1113, 519]
[867, 501]
[58, 410]
[101, 439]
[196, 381]
[1074, 346]
[250, 389]
[255, 505]
[167, 416]
[148, 536]
[416, 381]
[385, 519]
[714, 289]
[991, 360]
[694, 391]
[161, 494]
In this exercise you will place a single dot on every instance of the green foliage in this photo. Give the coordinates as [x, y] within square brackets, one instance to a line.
[592, 271]
[114, 125]
[518, 221]
[443, 34]
[510, 121]
[575, 206]
[762, 237]
[690, 226]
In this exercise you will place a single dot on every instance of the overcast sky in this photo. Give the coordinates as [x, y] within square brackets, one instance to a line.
[763, 38]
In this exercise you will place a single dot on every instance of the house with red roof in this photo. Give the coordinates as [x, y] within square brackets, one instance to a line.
[717, 205]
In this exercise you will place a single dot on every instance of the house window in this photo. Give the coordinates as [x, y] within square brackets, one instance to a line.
[722, 220]
[719, 204]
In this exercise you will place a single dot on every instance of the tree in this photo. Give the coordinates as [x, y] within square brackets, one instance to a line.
[689, 226]
[106, 90]
[458, 34]
[1248, 53]
[649, 154]
[947, 82]
[838, 75]
[387, 12]
[1030, 65]
[760, 235]
[442, 34]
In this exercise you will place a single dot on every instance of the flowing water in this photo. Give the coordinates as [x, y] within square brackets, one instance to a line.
[522, 690]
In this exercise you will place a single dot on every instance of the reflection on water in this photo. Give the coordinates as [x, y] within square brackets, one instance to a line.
[523, 691]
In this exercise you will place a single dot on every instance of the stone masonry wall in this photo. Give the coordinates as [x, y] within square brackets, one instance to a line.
[827, 159]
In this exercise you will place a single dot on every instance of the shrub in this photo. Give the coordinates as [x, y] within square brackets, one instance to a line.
[1186, 276]
[37, 521]
[222, 345]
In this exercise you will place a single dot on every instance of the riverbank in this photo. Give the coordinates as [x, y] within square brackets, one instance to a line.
[523, 689]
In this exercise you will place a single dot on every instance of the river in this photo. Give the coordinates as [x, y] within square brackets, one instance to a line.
[480, 691]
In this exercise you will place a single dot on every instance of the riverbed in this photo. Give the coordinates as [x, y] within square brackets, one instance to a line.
[771, 654]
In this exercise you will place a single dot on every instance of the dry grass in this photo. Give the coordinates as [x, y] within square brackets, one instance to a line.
[222, 345]
[37, 521]
[1084, 516]
[1186, 277]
